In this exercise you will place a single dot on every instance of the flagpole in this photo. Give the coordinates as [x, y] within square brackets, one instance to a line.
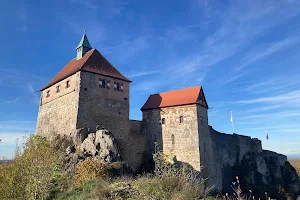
[231, 119]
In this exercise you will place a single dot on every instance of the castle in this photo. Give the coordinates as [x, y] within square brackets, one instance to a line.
[89, 91]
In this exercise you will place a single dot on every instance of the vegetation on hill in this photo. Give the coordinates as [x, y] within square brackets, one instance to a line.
[38, 173]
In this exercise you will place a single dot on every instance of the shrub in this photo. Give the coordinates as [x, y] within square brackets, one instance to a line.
[33, 173]
[171, 182]
[89, 170]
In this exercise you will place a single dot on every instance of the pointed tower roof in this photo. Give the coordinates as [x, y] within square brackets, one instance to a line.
[84, 42]
[181, 97]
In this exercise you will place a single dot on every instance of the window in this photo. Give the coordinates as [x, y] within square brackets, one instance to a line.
[67, 84]
[116, 86]
[122, 87]
[173, 139]
[57, 88]
[163, 121]
[48, 93]
[108, 84]
[102, 83]
[181, 119]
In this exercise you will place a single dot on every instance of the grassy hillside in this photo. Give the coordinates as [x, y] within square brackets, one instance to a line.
[296, 164]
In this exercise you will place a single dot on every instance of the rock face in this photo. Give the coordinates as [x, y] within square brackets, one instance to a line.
[100, 145]
[267, 172]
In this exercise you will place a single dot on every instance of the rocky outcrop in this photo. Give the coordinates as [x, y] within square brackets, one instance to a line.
[267, 172]
[100, 145]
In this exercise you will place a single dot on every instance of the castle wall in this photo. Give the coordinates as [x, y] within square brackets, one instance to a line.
[228, 150]
[57, 113]
[175, 138]
[205, 145]
[110, 109]
[106, 107]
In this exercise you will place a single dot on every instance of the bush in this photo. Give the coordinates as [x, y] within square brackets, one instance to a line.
[90, 170]
[171, 182]
[33, 173]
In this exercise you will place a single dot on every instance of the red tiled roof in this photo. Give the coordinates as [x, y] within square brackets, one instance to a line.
[93, 62]
[185, 96]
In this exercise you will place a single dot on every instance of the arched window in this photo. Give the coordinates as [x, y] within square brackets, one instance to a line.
[163, 121]
[181, 119]
[103, 83]
[173, 139]
[48, 93]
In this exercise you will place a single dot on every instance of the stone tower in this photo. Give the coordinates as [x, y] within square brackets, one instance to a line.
[175, 122]
[87, 92]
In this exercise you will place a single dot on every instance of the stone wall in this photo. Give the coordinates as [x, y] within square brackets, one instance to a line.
[106, 107]
[229, 150]
[58, 112]
[174, 138]
[109, 109]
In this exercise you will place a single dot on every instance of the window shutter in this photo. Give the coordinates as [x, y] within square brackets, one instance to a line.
[100, 82]
[122, 87]
[115, 86]
[108, 84]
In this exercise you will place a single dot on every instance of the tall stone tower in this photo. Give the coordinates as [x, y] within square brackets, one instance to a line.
[87, 92]
[176, 122]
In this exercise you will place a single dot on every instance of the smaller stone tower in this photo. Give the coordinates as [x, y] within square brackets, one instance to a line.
[173, 122]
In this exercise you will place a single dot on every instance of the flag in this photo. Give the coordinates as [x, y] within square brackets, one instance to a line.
[267, 136]
[231, 118]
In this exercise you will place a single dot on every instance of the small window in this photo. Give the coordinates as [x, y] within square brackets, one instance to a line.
[108, 84]
[163, 121]
[48, 93]
[67, 84]
[118, 87]
[104, 83]
[173, 139]
[122, 87]
[181, 119]
[57, 88]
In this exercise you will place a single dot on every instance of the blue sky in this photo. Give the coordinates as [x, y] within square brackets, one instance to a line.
[244, 53]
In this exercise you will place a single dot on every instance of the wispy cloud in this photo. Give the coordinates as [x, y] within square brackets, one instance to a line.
[141, 73]
[290, 97]
[288, 130]
[17, 126]
[12, 138]
[34, 94]
[262, 52]
[8, 101]
[22, 15]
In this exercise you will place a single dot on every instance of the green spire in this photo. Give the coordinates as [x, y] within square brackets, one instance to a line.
[84, 42]
[83, 46]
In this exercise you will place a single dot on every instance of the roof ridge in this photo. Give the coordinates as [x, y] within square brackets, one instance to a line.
[87, 57]
[200, 86]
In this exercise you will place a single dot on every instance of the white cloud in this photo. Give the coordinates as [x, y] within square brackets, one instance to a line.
[8, 101]
[12, 138]
[141, 73]
[22, 15]
[290, 97]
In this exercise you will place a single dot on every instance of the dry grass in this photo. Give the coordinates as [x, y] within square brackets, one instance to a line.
[296, 164]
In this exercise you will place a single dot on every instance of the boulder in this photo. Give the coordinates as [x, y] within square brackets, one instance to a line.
[101, 145]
